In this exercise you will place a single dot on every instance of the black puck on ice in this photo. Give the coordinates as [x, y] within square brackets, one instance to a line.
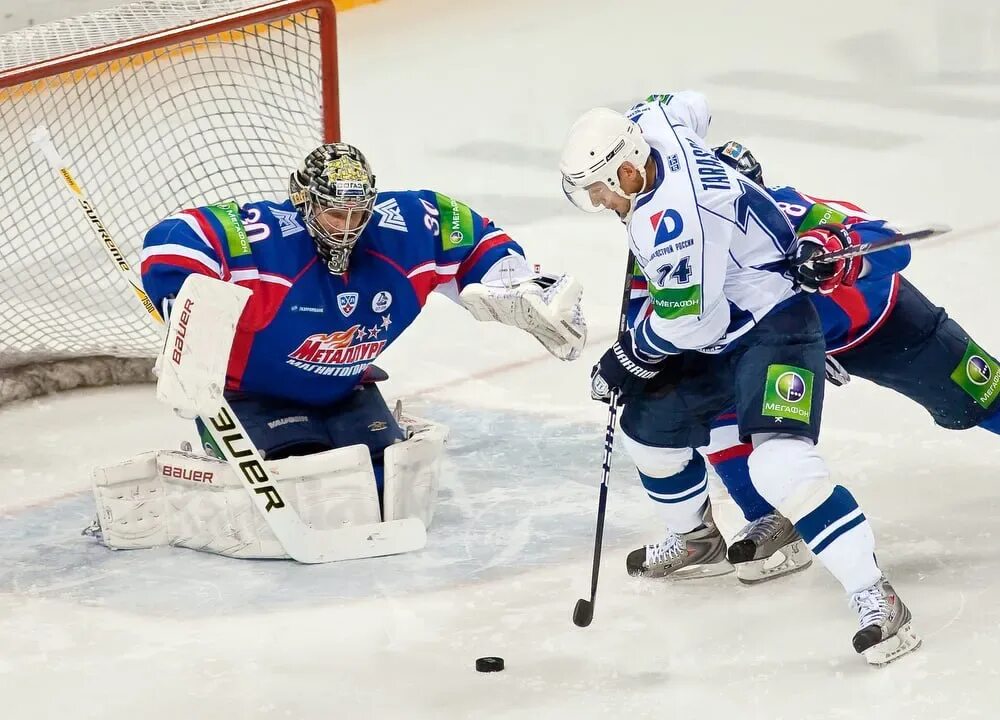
[489, 664]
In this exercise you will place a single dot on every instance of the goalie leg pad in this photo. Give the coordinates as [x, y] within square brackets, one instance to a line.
[413, 471]
[131, 505]
[176, 498]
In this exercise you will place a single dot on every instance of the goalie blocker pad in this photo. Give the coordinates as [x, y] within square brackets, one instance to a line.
[175, 498]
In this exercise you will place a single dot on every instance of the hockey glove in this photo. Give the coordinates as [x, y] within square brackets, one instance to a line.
[620, 368]
[814, 275]
[546, 306]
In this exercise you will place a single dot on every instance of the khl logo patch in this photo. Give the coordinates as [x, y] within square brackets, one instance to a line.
[347, 302]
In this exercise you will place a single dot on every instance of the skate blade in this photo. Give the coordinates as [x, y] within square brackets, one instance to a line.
[696, 572]
[903, 642]
[796, 559]
[690, 572]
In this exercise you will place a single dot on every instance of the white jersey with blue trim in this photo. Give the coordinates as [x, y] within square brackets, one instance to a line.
[712, 244]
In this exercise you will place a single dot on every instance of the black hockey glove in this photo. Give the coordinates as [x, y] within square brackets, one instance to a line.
[620, 368]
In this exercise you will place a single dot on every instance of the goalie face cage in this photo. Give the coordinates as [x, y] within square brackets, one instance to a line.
[156, 105]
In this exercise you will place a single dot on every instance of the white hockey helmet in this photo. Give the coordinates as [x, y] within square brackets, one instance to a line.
[598, 143]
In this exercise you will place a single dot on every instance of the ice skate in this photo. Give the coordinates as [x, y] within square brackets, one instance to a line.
[767, 548]
[886, 632]
[699, 553]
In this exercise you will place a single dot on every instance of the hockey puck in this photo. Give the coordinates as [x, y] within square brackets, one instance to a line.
[489, 664]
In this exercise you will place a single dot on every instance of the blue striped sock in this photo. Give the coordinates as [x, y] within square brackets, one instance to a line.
[840, 536]
[734, 472]
[682, 496]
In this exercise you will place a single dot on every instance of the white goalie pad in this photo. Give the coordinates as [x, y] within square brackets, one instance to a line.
[200, 335]
[176, 498]
[413, 470]
[549, 310]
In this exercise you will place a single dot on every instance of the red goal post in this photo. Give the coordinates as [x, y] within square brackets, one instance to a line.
[157, 105]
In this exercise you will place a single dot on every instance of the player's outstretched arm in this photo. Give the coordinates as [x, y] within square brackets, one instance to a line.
[476, 263]
[885, 263]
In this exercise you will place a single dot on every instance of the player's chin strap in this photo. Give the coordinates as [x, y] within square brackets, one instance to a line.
[545, 306]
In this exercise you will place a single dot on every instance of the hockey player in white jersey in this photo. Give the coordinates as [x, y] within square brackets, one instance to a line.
[725, 326]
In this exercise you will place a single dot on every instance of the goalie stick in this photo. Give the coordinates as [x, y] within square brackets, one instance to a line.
[41, 139]
[199, 336]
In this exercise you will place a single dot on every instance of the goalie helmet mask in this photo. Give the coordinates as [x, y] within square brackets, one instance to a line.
[739, 158]
[334, 189]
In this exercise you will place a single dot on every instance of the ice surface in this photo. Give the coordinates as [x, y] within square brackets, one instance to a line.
[893, 105]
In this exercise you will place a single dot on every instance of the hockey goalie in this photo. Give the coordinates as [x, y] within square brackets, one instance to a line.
[276, 312]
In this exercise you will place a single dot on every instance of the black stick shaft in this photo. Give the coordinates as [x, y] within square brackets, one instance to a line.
[609, 441]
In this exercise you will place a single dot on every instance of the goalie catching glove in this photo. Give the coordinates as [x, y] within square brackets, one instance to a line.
[545, 306]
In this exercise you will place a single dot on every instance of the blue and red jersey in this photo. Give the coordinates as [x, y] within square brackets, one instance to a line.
[851, 314]
[308, 335]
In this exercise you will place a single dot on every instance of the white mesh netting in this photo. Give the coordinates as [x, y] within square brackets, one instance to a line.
[223, 116]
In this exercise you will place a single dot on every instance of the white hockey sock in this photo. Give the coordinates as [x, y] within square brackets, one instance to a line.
[789, 473]
[675, 479]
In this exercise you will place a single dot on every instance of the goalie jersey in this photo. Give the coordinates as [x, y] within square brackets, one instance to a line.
[308, 335]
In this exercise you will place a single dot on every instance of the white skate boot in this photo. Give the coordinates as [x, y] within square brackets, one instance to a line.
[886, 633]
[696, 554]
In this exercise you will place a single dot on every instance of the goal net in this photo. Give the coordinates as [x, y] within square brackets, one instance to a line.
[156, 105]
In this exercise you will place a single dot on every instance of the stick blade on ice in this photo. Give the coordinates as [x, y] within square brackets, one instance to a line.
[583, 613]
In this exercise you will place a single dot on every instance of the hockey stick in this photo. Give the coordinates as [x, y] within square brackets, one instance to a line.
[583, 613]
[193, 378]
[41, 139]
[903, 237]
